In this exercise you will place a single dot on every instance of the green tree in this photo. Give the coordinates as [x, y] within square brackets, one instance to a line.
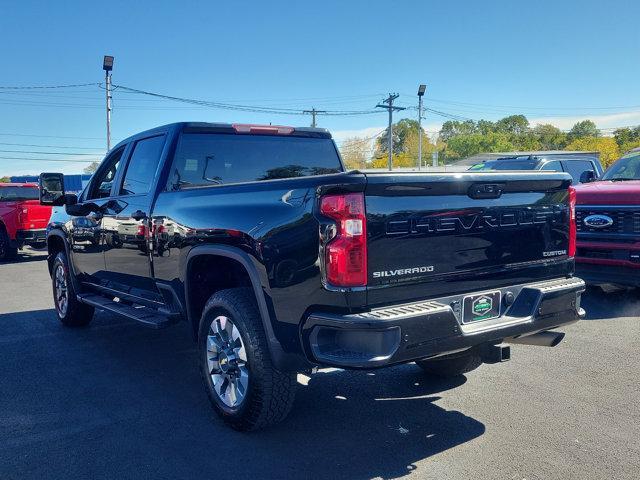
[453, 128]
[401, 130]
[585, 128]
[626, 136]
[513, 124]
[463, 146]
[485, 126]
[4, 179]
[550, 137]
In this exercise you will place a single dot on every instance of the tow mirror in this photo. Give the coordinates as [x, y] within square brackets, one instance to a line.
[51, 186]
[587, 176]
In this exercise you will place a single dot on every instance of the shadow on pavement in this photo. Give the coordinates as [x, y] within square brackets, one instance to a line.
[606, 305]
[116, 400]
[26, 258]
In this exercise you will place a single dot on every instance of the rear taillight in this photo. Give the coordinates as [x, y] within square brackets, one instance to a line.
[23, 214]
[142, 230]
[346, 252]
[572, 222]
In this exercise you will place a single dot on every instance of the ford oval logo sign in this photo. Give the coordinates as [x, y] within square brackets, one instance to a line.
[598, 221]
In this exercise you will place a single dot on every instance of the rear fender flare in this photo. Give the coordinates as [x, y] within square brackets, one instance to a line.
[67, 252]
[275, 348]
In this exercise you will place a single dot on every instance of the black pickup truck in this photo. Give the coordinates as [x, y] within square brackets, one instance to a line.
[280, 261]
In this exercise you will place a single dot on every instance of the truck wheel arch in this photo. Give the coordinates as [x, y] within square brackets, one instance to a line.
[246, 263]
[56, 243]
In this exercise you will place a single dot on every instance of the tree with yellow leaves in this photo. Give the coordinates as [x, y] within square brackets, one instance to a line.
[606, 146]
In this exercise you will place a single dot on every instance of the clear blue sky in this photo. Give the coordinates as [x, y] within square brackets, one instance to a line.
[553, 60]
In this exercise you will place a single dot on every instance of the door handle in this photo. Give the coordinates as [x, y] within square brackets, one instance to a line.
[138, 215]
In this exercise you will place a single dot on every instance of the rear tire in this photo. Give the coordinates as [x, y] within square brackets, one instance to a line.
[70, 311]
[450, 367]
[244, 387]
[7, 252]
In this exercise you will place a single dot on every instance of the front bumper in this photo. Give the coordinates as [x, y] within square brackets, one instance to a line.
[618, 273]
[403, 333]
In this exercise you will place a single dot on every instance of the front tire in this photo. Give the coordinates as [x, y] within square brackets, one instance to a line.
[450, 367]
[244, 387]
[70, 311]
[7, 252]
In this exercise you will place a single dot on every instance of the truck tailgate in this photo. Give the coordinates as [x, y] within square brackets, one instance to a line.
[454, 229]
[36, 215]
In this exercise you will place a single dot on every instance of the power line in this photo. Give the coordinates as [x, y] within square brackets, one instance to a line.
[363, 140]
[49, 159]
[49, 146]
[521, 107]
[48, 136]
[246, 108]
[36, 87]
[313, 113]
[48, 153]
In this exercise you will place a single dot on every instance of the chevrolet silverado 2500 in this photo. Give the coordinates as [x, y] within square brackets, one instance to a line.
[280, 261]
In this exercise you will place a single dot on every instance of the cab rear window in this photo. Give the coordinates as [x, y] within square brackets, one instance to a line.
[218, 159]
[14, 194]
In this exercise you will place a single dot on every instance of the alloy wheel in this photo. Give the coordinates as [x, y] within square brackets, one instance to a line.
[227, 362]
[62, 293]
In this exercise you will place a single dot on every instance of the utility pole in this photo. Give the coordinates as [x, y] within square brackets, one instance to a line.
[421, 90]
[313, 113]
[107, 66]
[390, 108]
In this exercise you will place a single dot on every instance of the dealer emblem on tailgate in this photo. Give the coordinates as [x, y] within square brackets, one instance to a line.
[598, 221]
[482, 305]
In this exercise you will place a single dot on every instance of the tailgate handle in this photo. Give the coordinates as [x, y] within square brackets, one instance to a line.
[485, 190]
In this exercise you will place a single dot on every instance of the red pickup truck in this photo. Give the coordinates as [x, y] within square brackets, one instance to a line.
[23, 220]
[608, 225]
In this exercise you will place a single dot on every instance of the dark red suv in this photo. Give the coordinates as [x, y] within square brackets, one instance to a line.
[608, 223]
[22, 219]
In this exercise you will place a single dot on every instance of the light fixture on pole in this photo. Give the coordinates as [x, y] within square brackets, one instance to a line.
[107, 66]
[421, 90]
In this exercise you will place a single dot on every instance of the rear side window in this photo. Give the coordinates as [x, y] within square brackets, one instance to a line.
[515, 164]
[575, 168]
[553, 166]
[142, 166]
[216, 159]
[14, 194]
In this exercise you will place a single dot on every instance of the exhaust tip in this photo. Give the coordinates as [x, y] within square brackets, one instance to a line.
[559, 336]
[542, 339]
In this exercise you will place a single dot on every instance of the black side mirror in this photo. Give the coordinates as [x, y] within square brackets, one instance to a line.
[51, 186]
[587, 176]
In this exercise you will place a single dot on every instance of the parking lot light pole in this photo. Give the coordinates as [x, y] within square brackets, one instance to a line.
[107, 66]
[421, 90]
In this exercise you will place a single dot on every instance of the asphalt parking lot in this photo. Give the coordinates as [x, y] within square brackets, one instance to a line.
[117, 400]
